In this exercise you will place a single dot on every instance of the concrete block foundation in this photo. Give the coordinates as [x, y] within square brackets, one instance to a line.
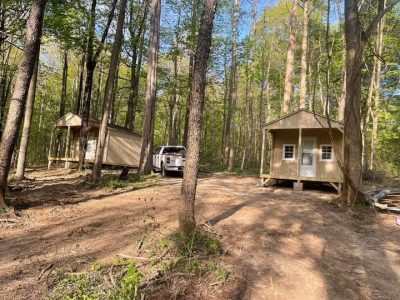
[297, 186]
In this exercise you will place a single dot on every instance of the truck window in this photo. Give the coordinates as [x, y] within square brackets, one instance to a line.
[157, 151]
[174, 150]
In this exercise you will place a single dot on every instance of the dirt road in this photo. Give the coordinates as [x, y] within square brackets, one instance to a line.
[284, 244]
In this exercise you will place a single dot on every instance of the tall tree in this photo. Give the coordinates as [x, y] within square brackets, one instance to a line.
[192, 44]
[342, 99]
[63, 99]
[17, 105]
[304, 57]
[145, 164]
[112, 74]
[376, 106]
[136, 31]
[91, 62]
[288, 84]
[233, 86]
[78, 100]
[26, 130]
[355, 39]
[173, 105]
[187, 221]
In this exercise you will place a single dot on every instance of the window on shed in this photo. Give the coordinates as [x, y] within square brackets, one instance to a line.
[326, 153]
[288, 151]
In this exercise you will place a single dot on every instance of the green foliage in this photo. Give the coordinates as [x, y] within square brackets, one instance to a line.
[130, 283]
[134, 181]
[95, 284]
[197, 242]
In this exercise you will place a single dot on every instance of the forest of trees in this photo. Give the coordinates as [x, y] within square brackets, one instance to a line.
[133, 63]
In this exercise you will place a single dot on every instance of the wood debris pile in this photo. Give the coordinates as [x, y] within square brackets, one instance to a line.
[385, 199]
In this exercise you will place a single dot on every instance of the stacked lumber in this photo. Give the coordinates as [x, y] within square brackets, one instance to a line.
[385, 199]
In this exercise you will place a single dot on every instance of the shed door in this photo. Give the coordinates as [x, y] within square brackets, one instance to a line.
[307, 158]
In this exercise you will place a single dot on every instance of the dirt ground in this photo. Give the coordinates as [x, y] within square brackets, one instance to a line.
[283, 244]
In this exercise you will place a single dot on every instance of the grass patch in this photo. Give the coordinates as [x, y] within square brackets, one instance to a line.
[195, 254]
[135, 181]
[119, 280]
[190, 262]
[198, 242]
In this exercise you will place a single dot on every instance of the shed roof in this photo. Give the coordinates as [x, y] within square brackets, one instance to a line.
[302, 118]
[75, 120]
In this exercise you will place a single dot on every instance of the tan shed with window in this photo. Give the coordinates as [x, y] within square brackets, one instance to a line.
[302, 148]
[122, 147]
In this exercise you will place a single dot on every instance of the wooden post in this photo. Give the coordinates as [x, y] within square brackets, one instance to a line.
[67, 144]
[50, 147]
[262, 155]
[271, 155]
[299, 154]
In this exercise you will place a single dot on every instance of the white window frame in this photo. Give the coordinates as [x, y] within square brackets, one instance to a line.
[294, 152]
[320, 153]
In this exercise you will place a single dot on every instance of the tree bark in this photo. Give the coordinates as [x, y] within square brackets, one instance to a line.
[187, 220]
[17, 105]
[304, 57]
[352, 166]
[233, 87]
[352, 120]
[77, 109]
[342, 99]
[145, 165]
[136, 43]
[193, 26]
[111, 80]
[376, 105]
[64, 85]
[174, 109]
[23, 146]
[288, 85]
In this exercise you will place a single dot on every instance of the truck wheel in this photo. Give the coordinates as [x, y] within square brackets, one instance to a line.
[163, 171]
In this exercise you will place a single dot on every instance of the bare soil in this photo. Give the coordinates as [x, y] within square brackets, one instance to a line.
[283, 244]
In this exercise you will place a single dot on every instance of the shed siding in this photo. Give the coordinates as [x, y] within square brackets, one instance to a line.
[123, 148]
[324, 169]
[284, 167]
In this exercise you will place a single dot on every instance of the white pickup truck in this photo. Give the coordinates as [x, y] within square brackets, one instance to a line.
[169, 158]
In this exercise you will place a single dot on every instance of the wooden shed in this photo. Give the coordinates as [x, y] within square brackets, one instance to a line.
[301, 149]
[122, 147]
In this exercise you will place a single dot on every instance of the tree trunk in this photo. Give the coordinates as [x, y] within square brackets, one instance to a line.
[111, 80]
[99, 90]
[187, 221]
[145, 165]
[23, 146]
[375, 111]
[366, 120]
[17, 105]
[352, 133]
[233, 87]
[193, 26]
[174, 110]
[352, 166]
[136, 43]
[304, 58]
[288, 85]
[137, 80]
[91, 61]
[114, 93]
[63, 99]
[77, 108]
[342, 99]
